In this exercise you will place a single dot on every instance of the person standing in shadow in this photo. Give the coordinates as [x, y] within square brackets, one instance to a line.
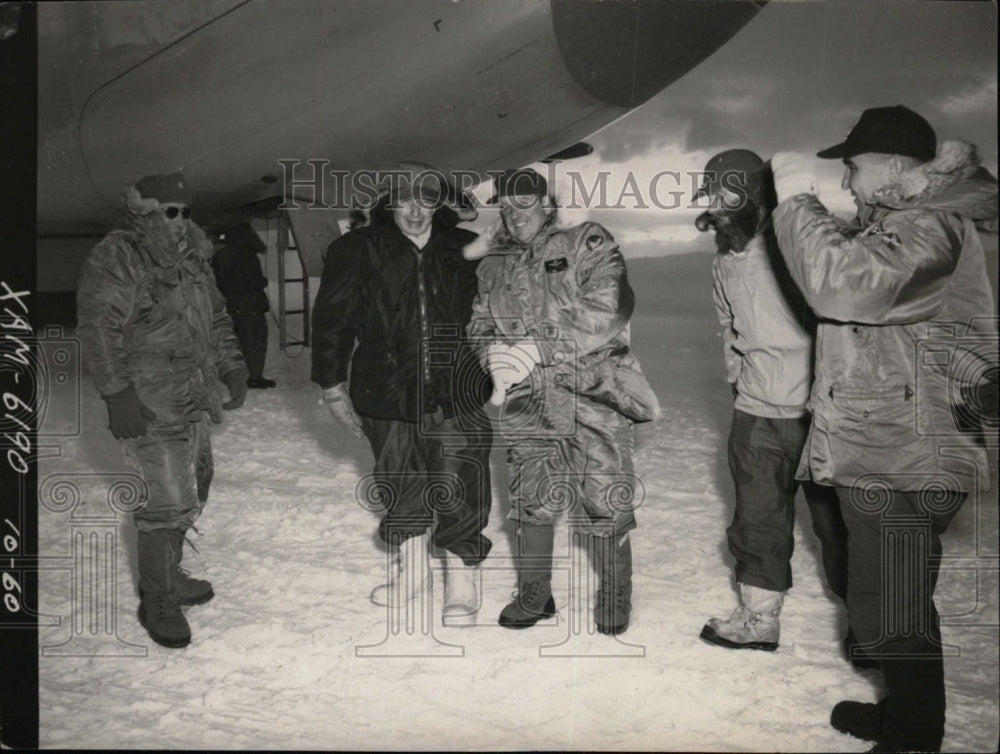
[240, 279]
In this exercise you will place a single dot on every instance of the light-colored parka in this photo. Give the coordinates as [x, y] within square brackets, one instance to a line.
[767, 330]
[906, 326]
[567, 291]
[149, 315]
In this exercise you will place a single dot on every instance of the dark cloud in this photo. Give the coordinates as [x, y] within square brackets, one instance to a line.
[799, 74]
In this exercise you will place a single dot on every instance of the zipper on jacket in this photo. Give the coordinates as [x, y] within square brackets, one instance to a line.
[422, 315]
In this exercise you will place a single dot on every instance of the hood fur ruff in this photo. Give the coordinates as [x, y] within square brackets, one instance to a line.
[953, 182]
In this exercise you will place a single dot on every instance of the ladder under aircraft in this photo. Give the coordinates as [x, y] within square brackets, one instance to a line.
[293, 288]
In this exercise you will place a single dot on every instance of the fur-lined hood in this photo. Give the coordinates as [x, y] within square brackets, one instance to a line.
[953, 181]
[151, 231]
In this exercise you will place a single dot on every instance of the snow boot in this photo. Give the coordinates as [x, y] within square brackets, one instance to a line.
[159, 612]
[614, 595]
[461, 594]
[752, 625]
[186, 590]
[858, 719]
[533, 598]
[412, 571]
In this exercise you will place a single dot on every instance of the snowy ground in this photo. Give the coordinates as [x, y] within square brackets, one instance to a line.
[291, 654]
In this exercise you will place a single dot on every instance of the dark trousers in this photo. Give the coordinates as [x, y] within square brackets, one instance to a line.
[763, 456]
[251, 332]
[894, 555]
[436, 469]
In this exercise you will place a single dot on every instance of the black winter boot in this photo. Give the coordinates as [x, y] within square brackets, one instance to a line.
[533, 598]
[858, 719]
[159, 612]
[614, 595]
[186, 590]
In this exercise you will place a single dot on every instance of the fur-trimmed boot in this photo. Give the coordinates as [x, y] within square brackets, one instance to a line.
[614, 595]
[187, 590]
[412, 571]
[159, 612]
[752, 625]
[533, 599]
[461, 592]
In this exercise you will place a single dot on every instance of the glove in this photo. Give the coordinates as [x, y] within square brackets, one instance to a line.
[794, 173]
[479, 247]
[236, 382]
[338, 402]
[128, 415]
[510, 365]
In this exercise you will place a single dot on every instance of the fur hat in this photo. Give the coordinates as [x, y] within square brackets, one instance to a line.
[149, 192]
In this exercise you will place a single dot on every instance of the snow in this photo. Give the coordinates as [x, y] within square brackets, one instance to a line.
[291, 654]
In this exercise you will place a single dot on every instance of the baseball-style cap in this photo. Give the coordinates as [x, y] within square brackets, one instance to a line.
[519, 182]
[887, 130]
[168, 188]
[727, 170]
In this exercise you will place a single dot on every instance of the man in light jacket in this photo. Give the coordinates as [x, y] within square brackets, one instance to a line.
[767, 332]
[156, 337]
[907, 331]
[552, 320]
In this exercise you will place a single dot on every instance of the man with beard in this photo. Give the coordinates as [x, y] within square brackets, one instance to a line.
[768, 340]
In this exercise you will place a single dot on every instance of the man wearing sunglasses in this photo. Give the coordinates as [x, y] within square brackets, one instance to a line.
[155, 336]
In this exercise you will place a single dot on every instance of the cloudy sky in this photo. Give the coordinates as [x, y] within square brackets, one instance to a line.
[796, 78]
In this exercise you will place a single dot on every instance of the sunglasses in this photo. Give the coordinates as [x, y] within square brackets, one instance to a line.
[172, 212]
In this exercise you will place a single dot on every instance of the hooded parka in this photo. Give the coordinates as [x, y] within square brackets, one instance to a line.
[149, 315]
[381, 292]
[906, 327]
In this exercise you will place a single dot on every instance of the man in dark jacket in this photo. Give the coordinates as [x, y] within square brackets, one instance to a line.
[155, 335]
[241, 282]
[393, 303]
[906, 329]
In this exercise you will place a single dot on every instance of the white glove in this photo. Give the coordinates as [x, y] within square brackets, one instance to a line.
[479, 247]
[510, 365]
[339, 404]
[794, 173]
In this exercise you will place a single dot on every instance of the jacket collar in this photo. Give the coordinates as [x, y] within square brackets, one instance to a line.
[152, 234]
[953, 181]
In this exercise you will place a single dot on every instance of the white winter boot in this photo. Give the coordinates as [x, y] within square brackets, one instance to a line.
[752, 625]
[461, 592]
[412, 572]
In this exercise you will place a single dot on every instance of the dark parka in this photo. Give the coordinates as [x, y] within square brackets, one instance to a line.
[238, 272]
[149, 315]
[381, 292]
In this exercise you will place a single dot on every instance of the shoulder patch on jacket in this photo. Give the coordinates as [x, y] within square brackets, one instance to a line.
[593, 236]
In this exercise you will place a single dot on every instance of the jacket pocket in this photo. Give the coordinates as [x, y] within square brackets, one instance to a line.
[879, 417]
